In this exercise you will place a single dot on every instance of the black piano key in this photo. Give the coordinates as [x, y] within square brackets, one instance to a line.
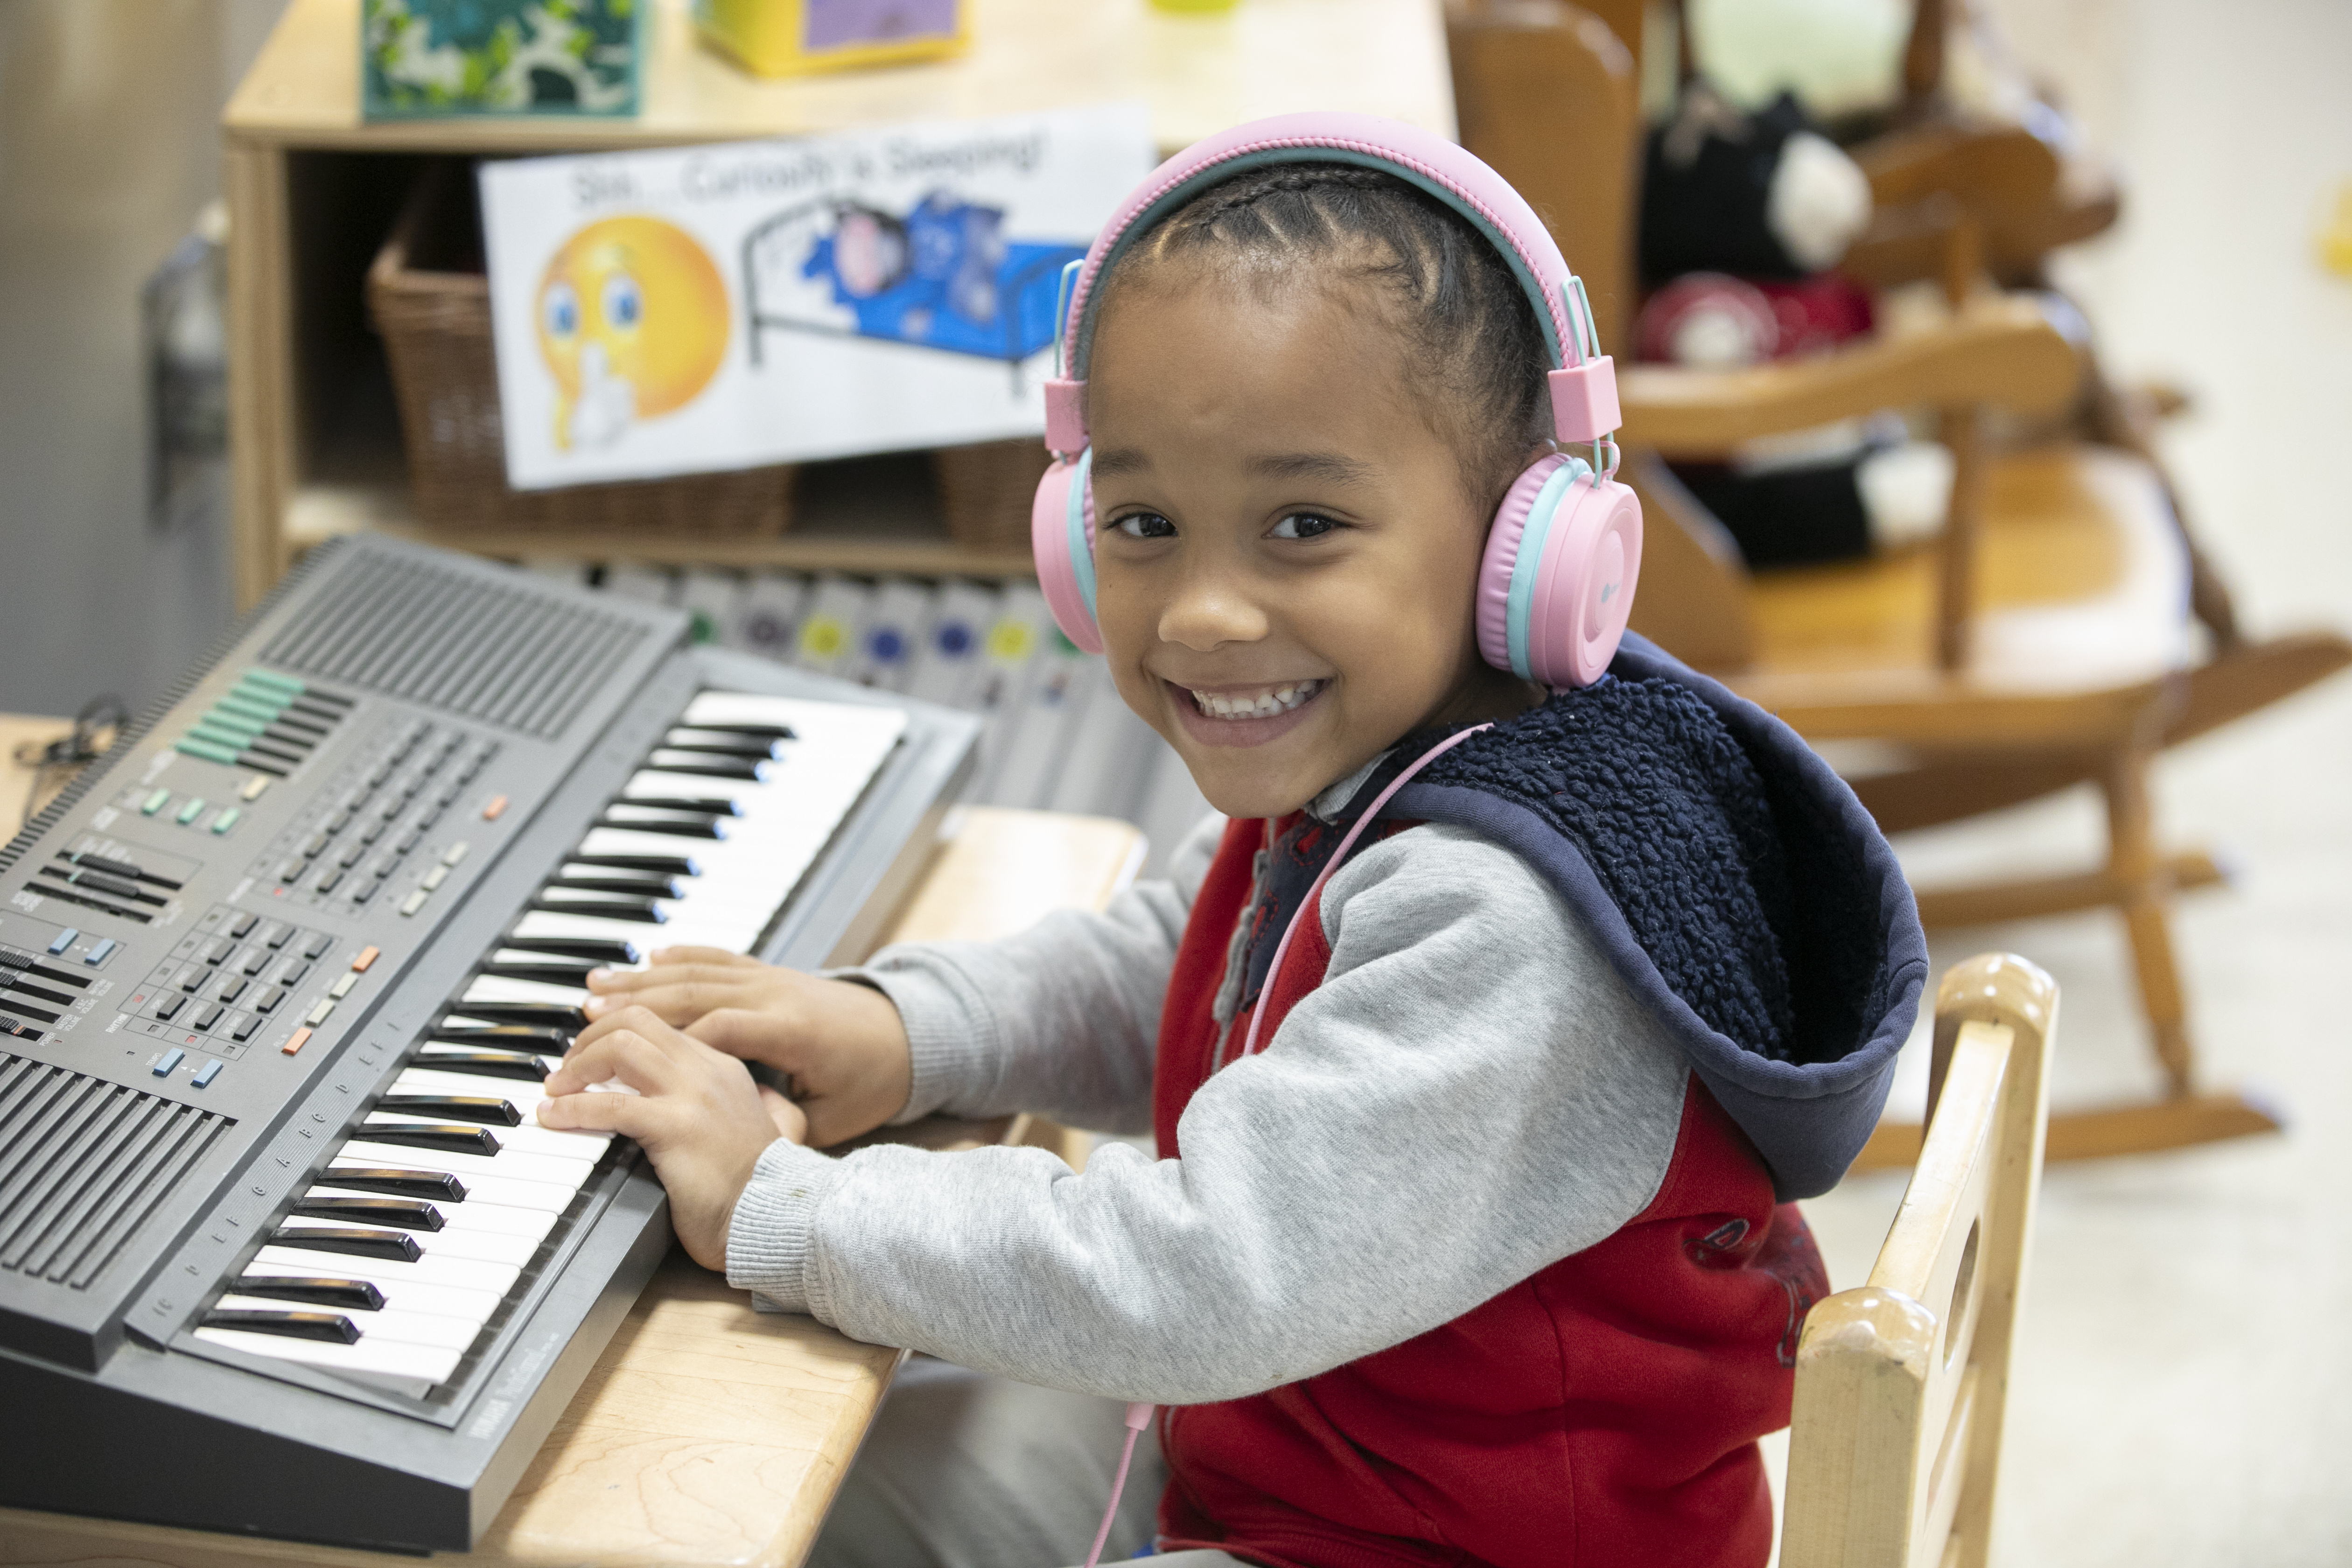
[646, 884]
[515, 1038]
[333, 1327]
[402, 1214]
[434, 1185]
[675, 865]
[677, 825]
[486, 1109]
[550, 973]
[543, 1015]
[702, 765]
[598, 950]
[604, 907]
[764, 731]
[358, 1241]
[442, 1137]
[318, 1289]
[722, 744]
[708, 806]
[491, 1064]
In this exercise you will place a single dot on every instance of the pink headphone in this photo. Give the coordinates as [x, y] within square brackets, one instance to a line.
[1565, 548]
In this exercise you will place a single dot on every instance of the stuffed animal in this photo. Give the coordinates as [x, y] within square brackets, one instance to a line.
[1743, 218]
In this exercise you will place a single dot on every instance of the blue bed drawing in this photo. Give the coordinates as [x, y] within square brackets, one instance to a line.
[943, 277]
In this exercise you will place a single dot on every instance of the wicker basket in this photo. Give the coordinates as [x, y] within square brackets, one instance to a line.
[985, 491]
[430, 299]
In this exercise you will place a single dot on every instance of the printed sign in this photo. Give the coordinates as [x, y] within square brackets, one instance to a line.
[696, 309]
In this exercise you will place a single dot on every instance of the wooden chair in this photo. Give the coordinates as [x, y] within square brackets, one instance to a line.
[1894, 1443]
[2040, 641]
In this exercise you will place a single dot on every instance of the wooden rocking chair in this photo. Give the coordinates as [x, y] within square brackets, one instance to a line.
[2041, 640]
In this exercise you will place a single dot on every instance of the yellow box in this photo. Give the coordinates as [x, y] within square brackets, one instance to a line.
[791, 37]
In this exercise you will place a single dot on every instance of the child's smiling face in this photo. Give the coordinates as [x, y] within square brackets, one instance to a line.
[1286, 549]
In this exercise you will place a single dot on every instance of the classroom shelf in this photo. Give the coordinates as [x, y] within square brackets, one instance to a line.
[312, 191]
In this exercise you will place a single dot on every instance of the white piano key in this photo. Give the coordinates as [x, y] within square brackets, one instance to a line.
[464, 1273]
[548, 1168]
[384, 1323]
[733, 931]
[415, 1368]
[628, 841]
[479, 1247]
[471, 1214]
[808, 718]
[528, 1138]
[498, 988]
[407, 1294]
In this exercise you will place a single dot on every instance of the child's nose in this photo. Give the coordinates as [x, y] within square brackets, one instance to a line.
[1210, 609]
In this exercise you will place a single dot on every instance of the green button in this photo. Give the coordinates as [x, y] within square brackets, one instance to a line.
[206, 730]
[155, 803]
[192, 810]
[250, 707]
[285, 683]
[235, 723]
[210, 750]
[227, 820]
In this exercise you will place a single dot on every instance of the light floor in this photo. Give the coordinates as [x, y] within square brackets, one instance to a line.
[2183, 1390]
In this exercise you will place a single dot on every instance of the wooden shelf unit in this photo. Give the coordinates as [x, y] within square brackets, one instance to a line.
[314, 439]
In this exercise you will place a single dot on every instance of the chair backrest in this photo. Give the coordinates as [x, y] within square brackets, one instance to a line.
[1530, 78]
[1901, 1382]
[1548, 94]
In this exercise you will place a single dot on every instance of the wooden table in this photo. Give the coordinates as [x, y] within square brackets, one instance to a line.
[707, 1433]
[314, 446]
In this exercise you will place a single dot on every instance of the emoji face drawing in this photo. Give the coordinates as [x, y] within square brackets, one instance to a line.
[632, 323]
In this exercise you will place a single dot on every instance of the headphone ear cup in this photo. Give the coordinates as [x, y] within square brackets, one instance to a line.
[1593, 562]
[1062, 541]
[1558, 577]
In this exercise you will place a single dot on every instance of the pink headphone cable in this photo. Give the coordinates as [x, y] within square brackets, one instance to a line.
[1139, 1416]
[1265, 993]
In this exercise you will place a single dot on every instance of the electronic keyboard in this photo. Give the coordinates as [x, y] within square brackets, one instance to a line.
[283, 1247]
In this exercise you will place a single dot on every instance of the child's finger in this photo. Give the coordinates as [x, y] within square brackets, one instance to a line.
[718, 955]
[790, 1119]
[752, 1035]
[625, 1054]
[676, 995]
[627, 1114]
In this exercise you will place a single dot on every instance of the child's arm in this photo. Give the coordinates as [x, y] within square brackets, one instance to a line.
[1472, 1094]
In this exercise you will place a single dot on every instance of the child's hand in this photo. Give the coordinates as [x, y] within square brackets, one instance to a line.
[841, 1046]
[700, 1118]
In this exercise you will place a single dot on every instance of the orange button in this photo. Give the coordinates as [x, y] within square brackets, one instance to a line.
[490, 812]
[366, 957]
[301, 1037]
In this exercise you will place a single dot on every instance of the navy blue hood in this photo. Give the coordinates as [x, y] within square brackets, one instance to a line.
[1732, 879]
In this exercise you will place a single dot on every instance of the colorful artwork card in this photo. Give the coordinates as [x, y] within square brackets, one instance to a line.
[690, 309]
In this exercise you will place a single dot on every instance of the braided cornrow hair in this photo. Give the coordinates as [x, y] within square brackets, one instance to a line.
[1474, 356]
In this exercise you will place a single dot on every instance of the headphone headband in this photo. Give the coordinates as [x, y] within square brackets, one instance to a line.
[1583, 384]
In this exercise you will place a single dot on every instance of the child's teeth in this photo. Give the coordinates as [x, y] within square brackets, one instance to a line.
[1264, 705]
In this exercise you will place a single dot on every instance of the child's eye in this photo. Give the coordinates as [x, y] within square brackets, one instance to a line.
[1145, 525]
[1302, 525]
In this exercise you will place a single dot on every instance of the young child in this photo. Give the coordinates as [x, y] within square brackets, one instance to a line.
[1469, 1241]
